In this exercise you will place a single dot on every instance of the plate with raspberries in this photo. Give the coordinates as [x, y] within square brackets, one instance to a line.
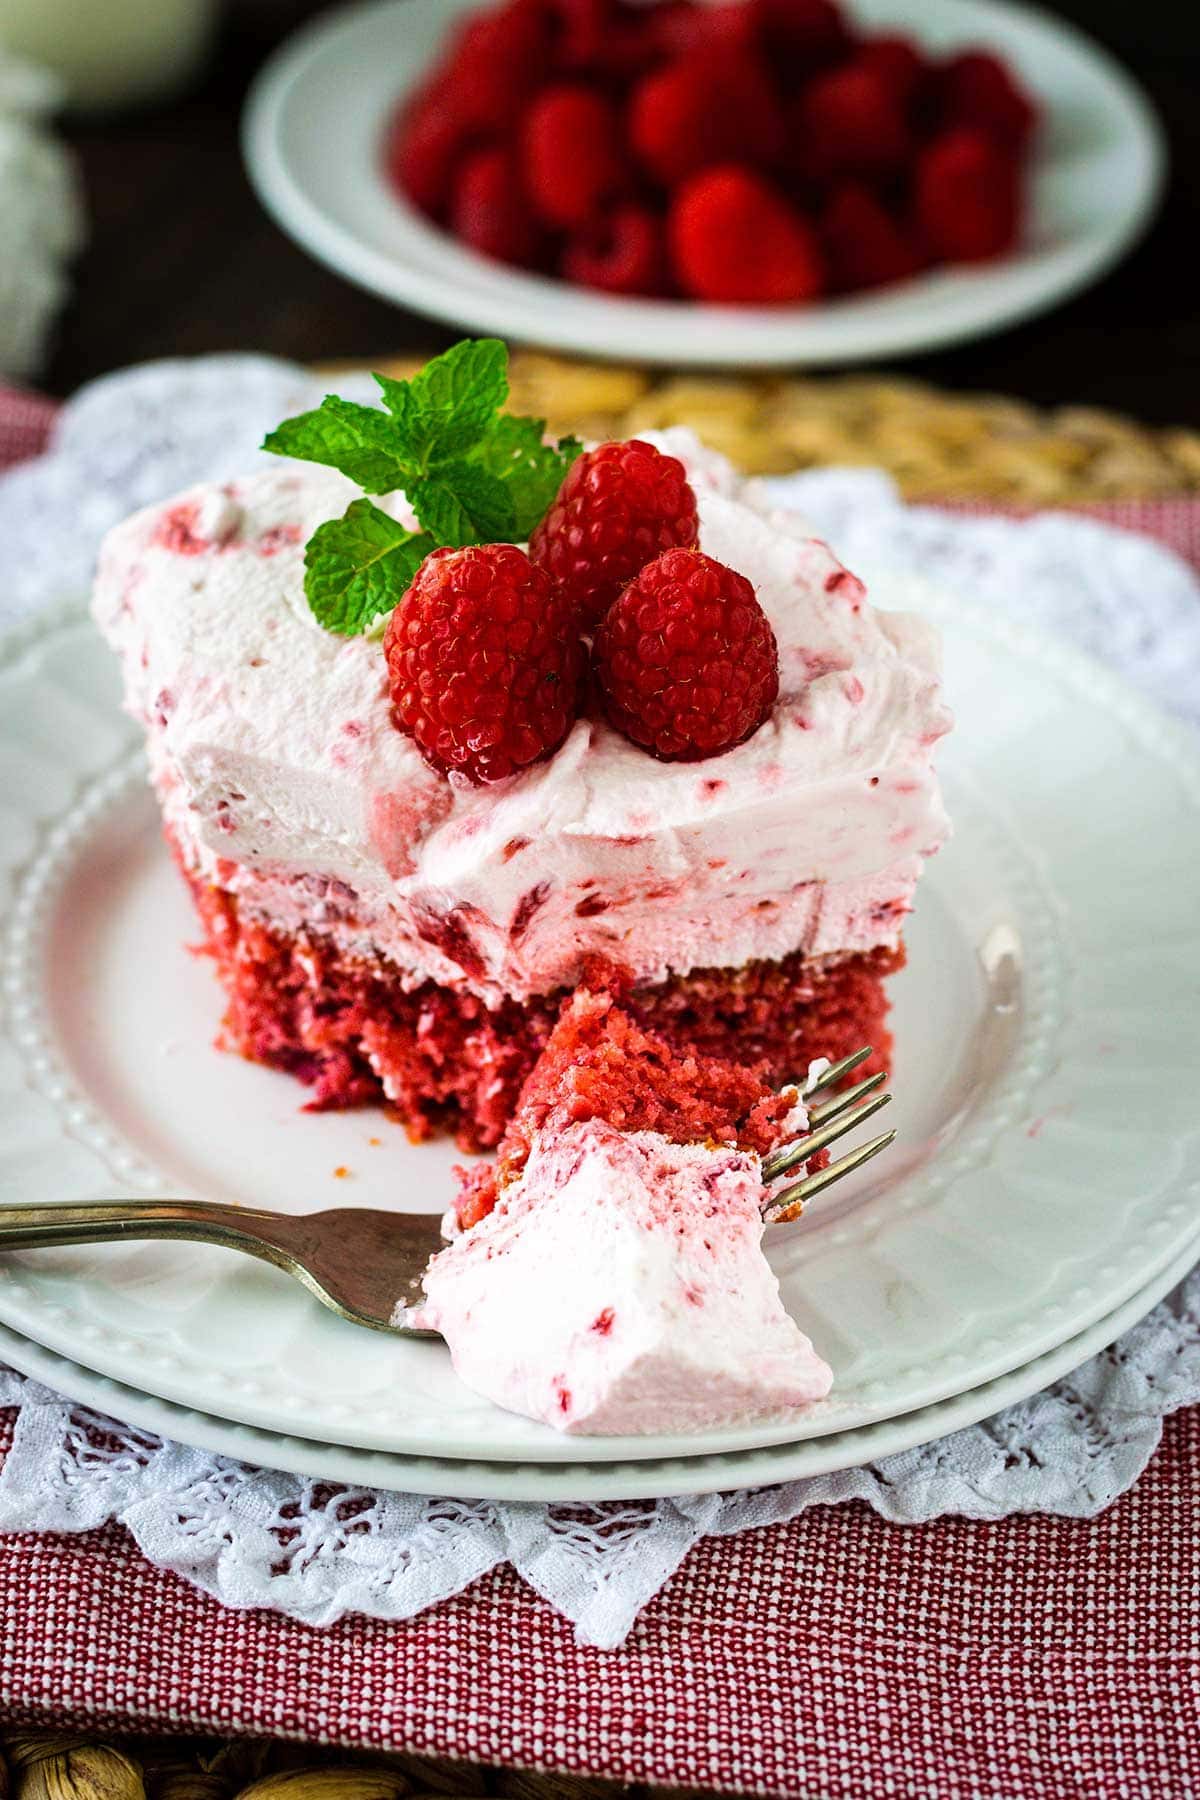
[749, 182]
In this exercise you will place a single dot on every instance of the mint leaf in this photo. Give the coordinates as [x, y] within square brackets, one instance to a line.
[474, 475]
[359, 440]
[464, 504]
[530, 469]
[448, 406]
[358, 566]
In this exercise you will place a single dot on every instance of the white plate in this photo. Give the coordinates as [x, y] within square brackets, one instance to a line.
[316, 114]
[456, 1478]
[1050, 1138]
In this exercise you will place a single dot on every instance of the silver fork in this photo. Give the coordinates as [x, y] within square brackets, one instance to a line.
[827, 1121]
[364, 1263]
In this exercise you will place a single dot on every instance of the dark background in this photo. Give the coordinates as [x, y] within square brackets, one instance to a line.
[182, 258]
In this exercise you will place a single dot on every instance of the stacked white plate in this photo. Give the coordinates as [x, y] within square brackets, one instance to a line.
[1043, 1193]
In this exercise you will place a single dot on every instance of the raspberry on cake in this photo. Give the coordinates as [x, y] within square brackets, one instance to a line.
[483, 662]
[618, 508]
[615, 1282]
[686, 660]
[387, 931]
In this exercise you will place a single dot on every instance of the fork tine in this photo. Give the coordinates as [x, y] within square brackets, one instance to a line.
[799, 1151]
[829, 1109]
[835, 1072]
[790, 1203]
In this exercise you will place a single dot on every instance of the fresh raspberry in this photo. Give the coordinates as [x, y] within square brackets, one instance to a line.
[681, 28]
[685, 660]
[484, 661]
[620, 506]
[734, 239]
[493, 66]
[421, 151]
[803, 35]
[968, 196]
[624, 255]
[602, 38]
[978, 89]
[489, 210]
[897, 61]
[853, 123]
[571, 154]
[864, 245]
[705, 109]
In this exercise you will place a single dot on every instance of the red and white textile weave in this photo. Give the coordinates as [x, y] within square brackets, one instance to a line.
[837, 1657]
[25, 421]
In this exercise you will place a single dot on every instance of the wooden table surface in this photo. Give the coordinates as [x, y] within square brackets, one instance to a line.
[183, 259]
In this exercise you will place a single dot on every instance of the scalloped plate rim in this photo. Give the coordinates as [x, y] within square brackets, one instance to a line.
[458, 1478]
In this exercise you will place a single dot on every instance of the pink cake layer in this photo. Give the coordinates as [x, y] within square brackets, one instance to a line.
[356, 1032]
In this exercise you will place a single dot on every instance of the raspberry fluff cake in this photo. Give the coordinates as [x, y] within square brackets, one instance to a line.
[674, 736]
[615, 1283]
[599, 1064]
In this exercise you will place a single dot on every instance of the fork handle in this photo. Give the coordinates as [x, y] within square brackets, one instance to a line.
[102, 1221]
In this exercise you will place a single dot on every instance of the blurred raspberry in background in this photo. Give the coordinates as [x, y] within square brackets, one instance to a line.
[753, 152]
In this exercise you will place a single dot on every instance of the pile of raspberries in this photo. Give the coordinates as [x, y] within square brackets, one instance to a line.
[756, 152]
[493, 652]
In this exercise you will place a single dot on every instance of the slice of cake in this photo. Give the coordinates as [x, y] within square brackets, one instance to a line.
[600, 1064]
[390, 924]
[617, 1284]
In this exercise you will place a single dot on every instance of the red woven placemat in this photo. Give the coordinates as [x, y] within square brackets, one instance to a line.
[837, 1657]
[25, 421]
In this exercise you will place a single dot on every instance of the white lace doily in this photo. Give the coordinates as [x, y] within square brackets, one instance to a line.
[256, 1538]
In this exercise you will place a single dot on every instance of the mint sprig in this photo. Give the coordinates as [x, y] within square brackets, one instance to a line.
[356, 567]
[472, 474]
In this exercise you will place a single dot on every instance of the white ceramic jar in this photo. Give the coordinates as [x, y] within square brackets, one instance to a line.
[111, 53]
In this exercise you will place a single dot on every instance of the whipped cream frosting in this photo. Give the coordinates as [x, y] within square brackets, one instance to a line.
[283, 778]
[620, 1288]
